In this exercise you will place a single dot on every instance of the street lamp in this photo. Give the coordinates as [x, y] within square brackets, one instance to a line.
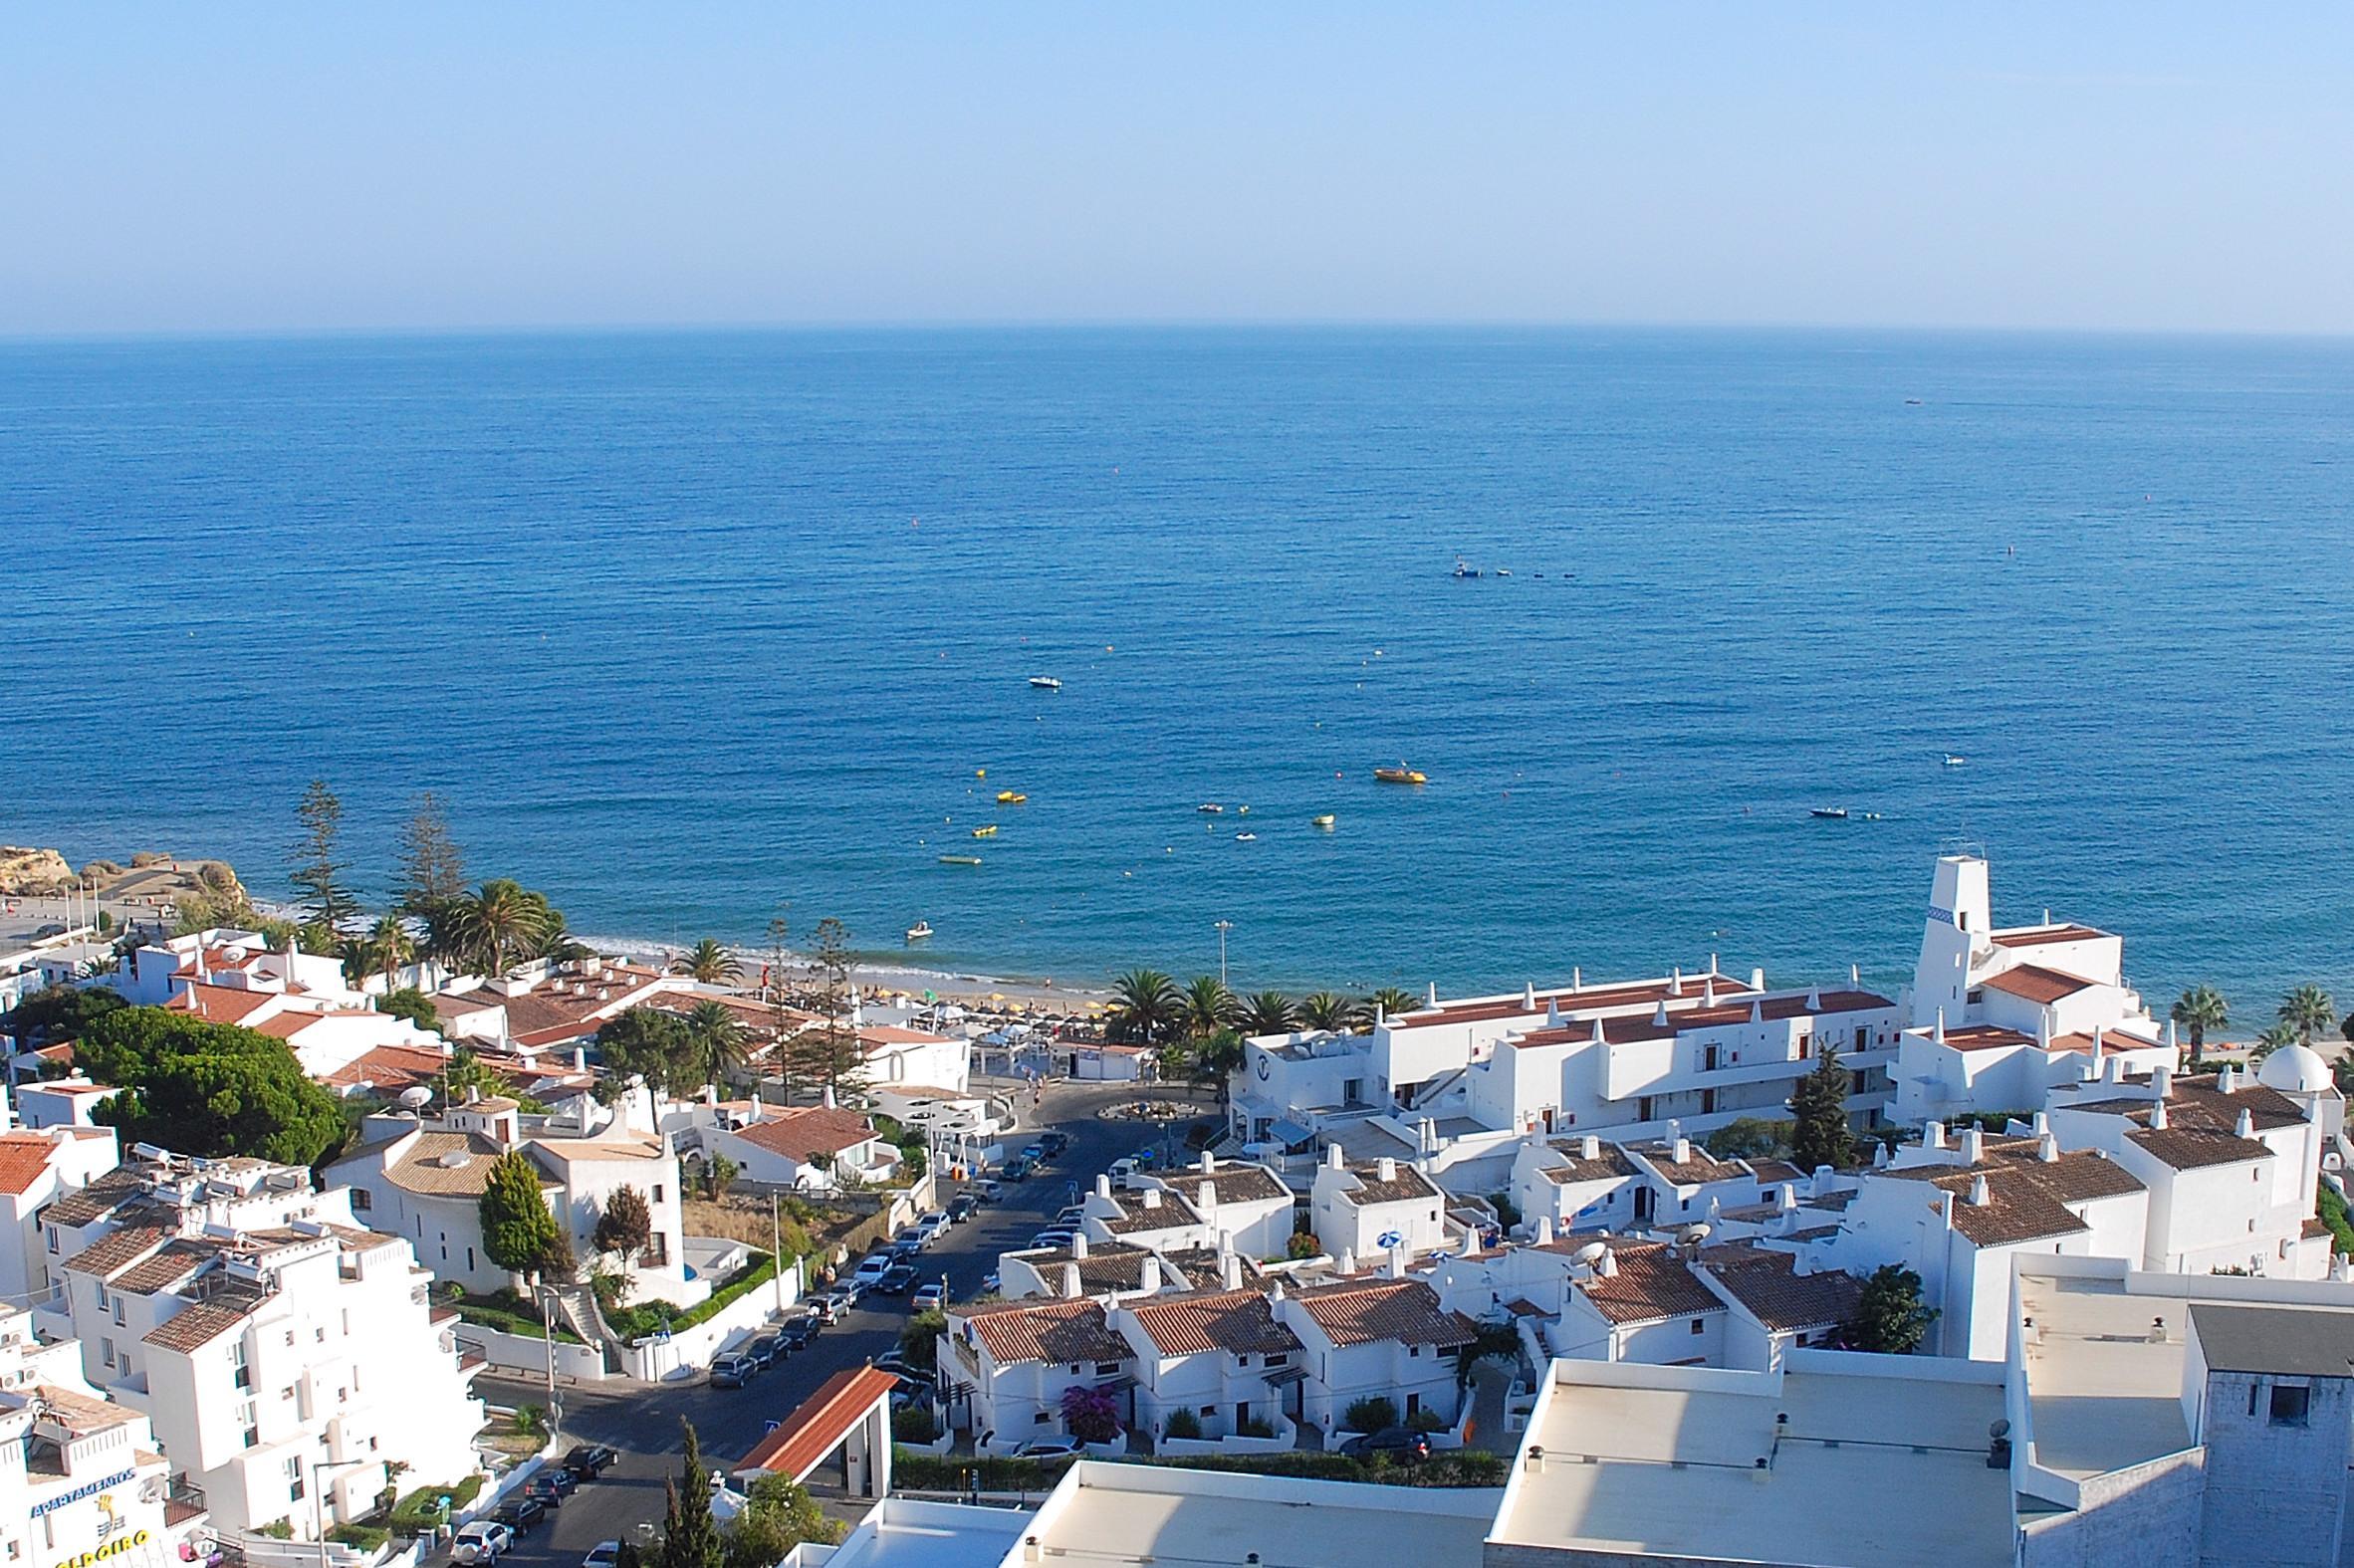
[1223, 926]
[547, 1294]
[319, 1498]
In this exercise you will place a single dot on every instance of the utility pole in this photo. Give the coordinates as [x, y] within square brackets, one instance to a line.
[1223, 926]
[777, 1248]
[548, 1327]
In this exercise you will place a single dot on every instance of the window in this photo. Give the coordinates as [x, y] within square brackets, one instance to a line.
[243, 1374]
[1700, 1325]
[1041, 1418]
[1863, 1040]
[294, 1477]
[1282, 1358]
[104, 1299]
[118, 1312]
[361, 1199]
[1209, 1413]
[1413, 1406]
[106, 1352]
[51, 1247]
[1104, 1369]
[657, 1191]
[1413, 1350]
[469, 1260]
[2291, 1402]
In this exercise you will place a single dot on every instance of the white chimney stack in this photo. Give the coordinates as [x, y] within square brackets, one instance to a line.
[1395, 1265]
[1148, 1275]
[1333, 1158]
[1152, 1198]
[1681, 1151]
[1933, 1135]
[1346, 1262]
[1205, 1197]
[2246, 1126]
[1979, 1194]
[1973, 1145]
[1209, 1161]
[1589, 1146]
[1676, 981]
[1070, 1282]
[1386, 1170]
[2158, 1117]
[1607, 1266]
[1104, 1185]
[2047, 1148]
[1078, 1244]
[1542, 1234]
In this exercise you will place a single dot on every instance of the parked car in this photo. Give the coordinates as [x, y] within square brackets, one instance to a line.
[559, 1481]
[1051, 1241]
[873, 1267]
[908, 1243]
[930, 1298]
[835, 1305]
[519, 1512]
[1399, 1443]
[1017, 1169]
[605, 1554]
[1034, 1153]
[989, 1189]
[767, 1350]
[483, 1541]
[963, 1207]
[898, 1282]
[1123, 1174]
[991, 1284]
[799, 1331]
[1072, 1214]
[1054, 1142]
[1049, 1448]
[732, 1372]
[931, 1224]
[895, 1363]
[590, 1460]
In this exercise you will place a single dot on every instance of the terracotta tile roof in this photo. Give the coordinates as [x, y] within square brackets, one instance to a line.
[117, 1251]
[2037, 936]
[1108, 1265]
[1197, 1266]
[2193, 1148]
[1361, 1311]
[2316, 1229]
[1240, 1322]
[392, 1068]
[167, 1269]
[1986, 1037]
[2111, 1040]
[1405, 1186]
[1051, 1331]
[2036, 983]
[2196, 1102]
[1611, 1166]
[562, 1151]
[1803, 1005]
[821, 1422]
[1766, 1283]
[80, 1412]
[1652, 1283]
[808, 1132]
[421, 1168]
[1697, 1166]
[90, 1204]
[1637, 994]
[223, 1003]
[23, 1156]
[2028, 1197]
[1173, 1210]
[199, 1324]
[1234, 1183]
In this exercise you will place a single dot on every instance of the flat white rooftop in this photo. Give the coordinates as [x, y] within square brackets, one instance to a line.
[907, 1532]
[1134, 1514]
[1664, 1461]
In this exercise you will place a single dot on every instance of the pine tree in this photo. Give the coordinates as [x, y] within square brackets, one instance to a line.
[1820, 1106]
[829, 1054]
[315, 870]
[432, 871]
[518, 1232]
[690, 1536]
[1889, 1316]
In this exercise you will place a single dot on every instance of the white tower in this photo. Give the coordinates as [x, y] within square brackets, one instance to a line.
[1960, 916]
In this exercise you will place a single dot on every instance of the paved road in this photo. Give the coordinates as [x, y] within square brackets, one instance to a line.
[643, 1419]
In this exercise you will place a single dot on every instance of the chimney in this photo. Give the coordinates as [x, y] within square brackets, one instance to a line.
[1395, 1267]
[1471, 1244]
[1676, 981]
[1152, 1198]
[1552, 1012]
[710, 1095]
[1386, 1170]
[1855, 976]
[2039, 1124]
[1598, 1036]
[1209, 1161]
[1434, 992]
[2170, 1034]
[2227, 1079]
[1757, 980]
[1708, 991]
[1543, 1232]
[1979, 1194]
[1527, 995]
[1681, 1151]
[1814, 999]
[2158, 1117]
[1756, 1013]
[1933, 1135]
[1973, 1145]
[2246, 1125]
[1148, 1275]
[1607, 1266]
[579, 1059]
[1346, 1262]
[827, 1098]
[1879, 1155]
[1205, 1198]
[2048, 1148]
[1576, 978]
[1070, 1282]
[1230, 1271]
[1937, 1030]
[2115, 1066]
[1334, 1159]
[473, 1093]
[1103, 1185]
[1078, 1244]
[1823, 1179]
[1658, 1016]
[1589, 1146]
[1785, 1197]
[2162, 1081]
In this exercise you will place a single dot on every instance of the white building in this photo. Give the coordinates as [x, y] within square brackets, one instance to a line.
[811, 1147]
[1240, 1206]
[285, 1356]
[1358, 1211]
[37, 1167]
[155, 973]
[423, 1181]
[1370, 1337]
[1005, 1367]
[1208, 1352]
[325, 1033]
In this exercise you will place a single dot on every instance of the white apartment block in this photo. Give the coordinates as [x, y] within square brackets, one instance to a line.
[423, 1181]
[37, 1167]
[1382, 1205]
[285, 1356]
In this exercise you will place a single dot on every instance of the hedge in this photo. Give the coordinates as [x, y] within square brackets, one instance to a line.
[508, 1312]
[418, 1513]
[647, 1318]
[954, 1472]
[362, 1537]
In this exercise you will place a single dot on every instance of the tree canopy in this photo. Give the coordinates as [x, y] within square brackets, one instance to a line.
[625, 1226]
[1818, 1108]
[690, 1536]
[1890, 1317]
[432, 871]
[317, 870]
[517, 1231]
[208, 1090]
[59, 1012]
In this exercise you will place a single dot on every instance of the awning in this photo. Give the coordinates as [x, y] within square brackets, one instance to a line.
[1289, 1133]
[1284, 1376]
[1118, 1385]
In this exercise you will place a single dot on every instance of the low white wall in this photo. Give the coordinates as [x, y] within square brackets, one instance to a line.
[1285, 1438]
[687, 1351]
[521, 1353]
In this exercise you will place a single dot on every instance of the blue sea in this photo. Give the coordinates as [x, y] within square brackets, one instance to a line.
[688, 627]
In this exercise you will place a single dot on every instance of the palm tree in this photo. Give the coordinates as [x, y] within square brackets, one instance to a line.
[709, 964]
[2197, 1010]
[1207, 1007]
[1326, 1010]
[2278, 1036]
[1269, 1012]
[2307, 1011]
[1389, 1001]
[715, 1046]
[1145, 1002]
[389, 948]
[502, 923]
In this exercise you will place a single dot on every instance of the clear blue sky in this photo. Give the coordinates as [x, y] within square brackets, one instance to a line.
[267, 166]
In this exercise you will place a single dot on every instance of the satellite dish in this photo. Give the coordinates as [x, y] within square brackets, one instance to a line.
[455, 1160]
[416, 1098]
[1590, 1254]
[1696, 1233]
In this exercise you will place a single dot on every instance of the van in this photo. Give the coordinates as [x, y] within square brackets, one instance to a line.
[731, 1372]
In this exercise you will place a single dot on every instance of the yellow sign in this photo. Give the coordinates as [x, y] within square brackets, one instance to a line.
[114, 1548]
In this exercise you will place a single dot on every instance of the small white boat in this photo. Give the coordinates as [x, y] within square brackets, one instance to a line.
[1046, 683]
[921, 931]
[1246, 837]
[1209, 809]
[1836, 814]
[1504, 572]
[1953, 761]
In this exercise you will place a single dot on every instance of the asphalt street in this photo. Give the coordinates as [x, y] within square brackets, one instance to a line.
[643, 1421]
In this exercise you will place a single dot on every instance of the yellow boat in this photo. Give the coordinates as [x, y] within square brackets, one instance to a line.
[1011, 797]
[1325, 822]
[986, 832]
[1400, 774]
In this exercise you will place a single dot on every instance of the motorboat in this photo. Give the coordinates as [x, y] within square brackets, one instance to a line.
[1836, 814]
[1046, 683]
[1325, 822]
[1952, 761]
[1011, 797]
[986, 832]
[919, 932]
[1401, 775]
[1209, 809]
[1246, 837]
[1463, 569]
[960, 860]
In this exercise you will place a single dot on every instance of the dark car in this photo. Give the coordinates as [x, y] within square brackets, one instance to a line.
[1054, 1142]
[963, 1207]
[799, 1332]
[520, 1513]
[1033, 1153]
[1017, 1169]
[765, 1350]
[1399, 1443]
[899, 1280]
[546, 1491]
[589, 1460]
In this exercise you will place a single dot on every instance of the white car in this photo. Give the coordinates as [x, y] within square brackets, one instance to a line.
[605, 1554]
[1048, 1449]
[870, 1269]
[483, 1541]
[932, 1224]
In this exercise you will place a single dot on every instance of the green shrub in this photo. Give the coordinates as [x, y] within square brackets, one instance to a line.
[1369, 1415]
[507, 1311]
[1252, 1427]
[649, 1318]
[361, 1537]
[1427, 1420]
[913, 1425]
[1182, 1423]
[1302, 1246]
[418, 1513]
[2332, 1212]
[276, 1529]
[1451, 1467]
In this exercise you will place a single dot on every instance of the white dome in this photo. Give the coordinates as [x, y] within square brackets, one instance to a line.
[2294, 1070]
